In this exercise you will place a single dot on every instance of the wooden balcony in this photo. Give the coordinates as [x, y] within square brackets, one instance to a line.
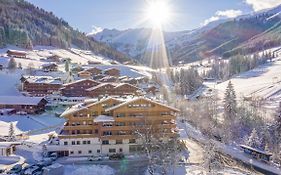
[117, 137]
[81, 127]
[78, 136]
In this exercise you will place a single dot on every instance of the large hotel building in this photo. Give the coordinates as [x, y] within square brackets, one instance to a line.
[112, 125]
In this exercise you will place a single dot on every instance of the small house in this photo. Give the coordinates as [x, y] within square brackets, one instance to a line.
[84, 74]
[8, 148]
[54, 58]
[16, 53]
[94, 71]
[112, 72]
[50, 67]
[23, 105]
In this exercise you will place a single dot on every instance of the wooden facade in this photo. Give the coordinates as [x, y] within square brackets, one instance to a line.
[78, 88]
[85, 74]
[112, 72]
[50, 67]
[30, 105]
[16, 53]
[115, 123]
[95, 71]
[40, 85]
[113, 89]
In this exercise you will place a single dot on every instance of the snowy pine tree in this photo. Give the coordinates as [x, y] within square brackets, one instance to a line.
[212, 160]
[66, 66]
[12, 65]
[44, 150]
[277, 127]
[230, 104]
[11, 135]
[254, 140]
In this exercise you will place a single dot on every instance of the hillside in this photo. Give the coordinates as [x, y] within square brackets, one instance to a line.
[24, 25]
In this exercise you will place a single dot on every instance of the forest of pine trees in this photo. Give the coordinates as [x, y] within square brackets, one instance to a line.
[24, 25]
[223, 70]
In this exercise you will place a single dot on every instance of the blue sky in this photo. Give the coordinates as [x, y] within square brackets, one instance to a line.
[123, 14]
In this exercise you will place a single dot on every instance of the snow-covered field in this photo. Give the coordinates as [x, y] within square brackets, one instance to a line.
[37, 127]
[263, 82]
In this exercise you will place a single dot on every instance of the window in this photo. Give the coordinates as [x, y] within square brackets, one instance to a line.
[120, 124]
[121, 133]
[78, 142]
[90, 151]
[98, 151]
[65, 143]
[112, 150]
[119, 141]
[107, 133]
[120, 150]
[71, 152]
[132, 141]
[79, 152]
[73, 143]
[107, 125]
[105, 142]
[84, 142]
[88, 142]
[96, 131]
[120, 115]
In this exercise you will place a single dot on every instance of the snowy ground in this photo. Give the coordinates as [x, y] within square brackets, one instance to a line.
[36, 126]
[263, 83]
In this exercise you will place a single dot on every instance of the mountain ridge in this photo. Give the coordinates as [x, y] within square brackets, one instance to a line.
[224, 38]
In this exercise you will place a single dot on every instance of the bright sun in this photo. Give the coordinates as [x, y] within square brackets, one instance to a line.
[158, 13]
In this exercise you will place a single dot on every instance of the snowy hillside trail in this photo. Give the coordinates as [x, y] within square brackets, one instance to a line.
[195, 152]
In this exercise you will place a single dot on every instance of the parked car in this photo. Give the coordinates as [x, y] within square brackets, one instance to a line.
[117, 156]
[21, 113]
[45, 162]
[32, 170]
[95, 158]
[16, 169]
[53, 156]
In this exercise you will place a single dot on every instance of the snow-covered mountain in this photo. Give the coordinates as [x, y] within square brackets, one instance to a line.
[223, 38]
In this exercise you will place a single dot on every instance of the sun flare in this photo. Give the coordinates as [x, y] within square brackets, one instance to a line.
[158, 13]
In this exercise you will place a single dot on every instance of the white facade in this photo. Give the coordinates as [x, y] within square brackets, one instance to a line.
[90, 146]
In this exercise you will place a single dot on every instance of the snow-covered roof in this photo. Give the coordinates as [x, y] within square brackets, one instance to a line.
[256, 150]
[140, 98]
[17, 51]
[103, 118]
[8, 144]
[49, 64]
[81, 80]
[86, 105]
[99, 86]
[42, 79]
[19, 100]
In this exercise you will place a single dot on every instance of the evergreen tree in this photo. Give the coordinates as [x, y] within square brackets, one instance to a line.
[19, 66]
[230, 104]
[265, 138]
[66, 66]
[44, 150]
[254, 140]
[11, 135]
[12, 65]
